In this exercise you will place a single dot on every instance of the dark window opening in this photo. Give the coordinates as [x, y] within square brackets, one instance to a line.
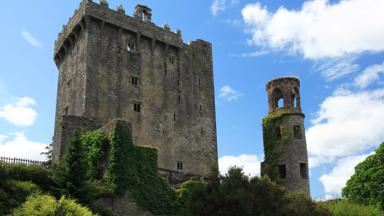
[201, 131]
[303, 170]
[179, 165]
[174, 117]
[135, 81]
[200, 108]
[131, 47]
[66, 110]
[179, 99]
[136, 107]
[297, 132]
[199, 83]
[282, 171]
[278, 133]
[178, 82]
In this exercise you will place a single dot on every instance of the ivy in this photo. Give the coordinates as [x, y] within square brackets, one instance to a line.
[271, 142]
[96, 146]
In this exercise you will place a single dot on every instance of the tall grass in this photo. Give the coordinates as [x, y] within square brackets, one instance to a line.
[346, 208]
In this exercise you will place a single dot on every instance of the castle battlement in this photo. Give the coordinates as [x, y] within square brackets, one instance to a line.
[140, 23]
[114, 66]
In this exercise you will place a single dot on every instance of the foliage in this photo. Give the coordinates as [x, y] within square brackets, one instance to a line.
[347, 208]
[120, 158]
[366, 185]
[236, 194]
[45, 205]
[186, 190]
[70, 174]
[48, 155]
[271, 142]
[15, 185]
[96, 146]
[133, 169]
[34, 173]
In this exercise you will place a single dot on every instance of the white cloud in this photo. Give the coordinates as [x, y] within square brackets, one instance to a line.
[20, 112]
[30, 39]
[336, 68]
[334, 181]
[319, 29]
[346, 124]
[249, 163]
[228, 93]
[254, 54]
[222, 5]
[20, 147]
[369, 75]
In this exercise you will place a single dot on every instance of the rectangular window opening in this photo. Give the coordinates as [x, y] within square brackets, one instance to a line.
[131, 47]
[282, 171]
[171, 59]
[135, 81]
[179, 99]
[179, 165]
[297, 132]
[136, 107]
[303, 170]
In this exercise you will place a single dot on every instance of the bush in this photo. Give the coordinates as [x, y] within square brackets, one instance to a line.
[33, 173]
[236, 194]
[45, 205]
[347, 208]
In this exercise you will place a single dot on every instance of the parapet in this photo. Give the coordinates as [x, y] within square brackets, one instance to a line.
[284, 93]
[140, 23]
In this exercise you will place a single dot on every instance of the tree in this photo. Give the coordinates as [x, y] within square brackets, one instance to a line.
[71, 174]
[366, 186]
[237, 194]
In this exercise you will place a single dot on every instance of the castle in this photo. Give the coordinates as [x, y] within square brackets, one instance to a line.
[285, 148]
[114, 66]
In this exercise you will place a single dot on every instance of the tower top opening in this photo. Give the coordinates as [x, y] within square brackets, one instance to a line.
[284, 94]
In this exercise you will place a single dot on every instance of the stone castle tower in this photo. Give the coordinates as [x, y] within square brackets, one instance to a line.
[285, 148]
[115, 66]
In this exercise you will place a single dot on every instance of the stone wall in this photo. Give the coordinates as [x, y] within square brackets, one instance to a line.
[174, 88]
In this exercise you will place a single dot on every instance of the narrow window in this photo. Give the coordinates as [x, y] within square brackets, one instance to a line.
[303, 170]
[201, 131]
[200, 107]
[282, 171]
[136, 107]
[199, 81]
[278, 133]
[179, 165]
[179, 99]
[178, 82]
[174, 117]
[66, 110]
[297, 132]
[280, 103]
[135, 81]
[131, 47]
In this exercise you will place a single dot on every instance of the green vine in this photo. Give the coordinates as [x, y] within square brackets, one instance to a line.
[272, 142]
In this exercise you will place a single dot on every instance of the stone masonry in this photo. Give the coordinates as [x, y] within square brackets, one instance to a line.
[114, 66]
[289, 134]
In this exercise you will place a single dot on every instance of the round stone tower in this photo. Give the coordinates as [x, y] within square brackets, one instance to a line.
[285, 148]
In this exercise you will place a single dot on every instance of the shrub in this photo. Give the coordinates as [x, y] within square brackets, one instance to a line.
[46, 205]
[236, 194]
[347, 208]
[33, 173]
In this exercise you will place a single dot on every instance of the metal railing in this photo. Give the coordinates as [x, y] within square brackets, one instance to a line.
[15, 160]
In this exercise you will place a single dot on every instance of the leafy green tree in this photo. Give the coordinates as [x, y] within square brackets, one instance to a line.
[71, 173]
[237, 194]
[366, 186]
[45, 205]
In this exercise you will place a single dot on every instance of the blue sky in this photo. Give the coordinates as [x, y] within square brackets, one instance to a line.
[335, 47]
